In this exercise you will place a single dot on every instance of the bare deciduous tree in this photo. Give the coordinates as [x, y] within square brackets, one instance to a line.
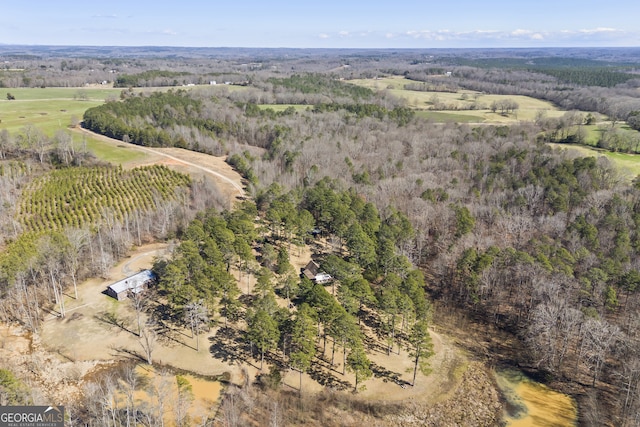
[196, 315]
[148, 340]
[599, 338]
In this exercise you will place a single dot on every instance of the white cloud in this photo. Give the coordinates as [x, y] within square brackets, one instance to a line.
[599, 30]
[519, 36]
[600, 36]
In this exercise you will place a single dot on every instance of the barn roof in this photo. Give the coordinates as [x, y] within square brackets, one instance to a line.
[133, 283]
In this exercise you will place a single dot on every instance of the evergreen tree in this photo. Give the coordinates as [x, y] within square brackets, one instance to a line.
[303, 332]
[421, 348]
[283, 264]
[359, 364]
[262, 330]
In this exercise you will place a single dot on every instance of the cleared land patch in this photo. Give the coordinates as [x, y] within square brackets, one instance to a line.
[463, 102]
[99, 328]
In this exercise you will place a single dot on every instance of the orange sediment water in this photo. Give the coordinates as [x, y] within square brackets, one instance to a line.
[205, 394]
[529, 403]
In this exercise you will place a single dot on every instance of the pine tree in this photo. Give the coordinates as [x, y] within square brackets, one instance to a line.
[262, 330]
[359, 363]
[421, 348]
[303, 332]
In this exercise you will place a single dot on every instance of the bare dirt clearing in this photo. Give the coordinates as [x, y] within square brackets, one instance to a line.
[100, 329]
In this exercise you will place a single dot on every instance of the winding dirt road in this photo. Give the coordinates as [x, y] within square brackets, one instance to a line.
[190, 162]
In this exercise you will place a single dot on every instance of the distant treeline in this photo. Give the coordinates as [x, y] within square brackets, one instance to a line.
[161, 78]
[321, 84]
[578, 71]
[588, 76]
[400, 115]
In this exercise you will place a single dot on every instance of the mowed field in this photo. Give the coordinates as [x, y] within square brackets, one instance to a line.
[628, 164]
[54, 109]
[456, 105]
[49, 109]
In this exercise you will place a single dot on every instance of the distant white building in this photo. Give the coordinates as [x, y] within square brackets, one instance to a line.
[212, 83]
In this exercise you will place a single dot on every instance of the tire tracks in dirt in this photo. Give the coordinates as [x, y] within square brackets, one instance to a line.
[237, 187]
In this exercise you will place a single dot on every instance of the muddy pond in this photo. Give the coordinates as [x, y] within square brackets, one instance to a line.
[530, 403]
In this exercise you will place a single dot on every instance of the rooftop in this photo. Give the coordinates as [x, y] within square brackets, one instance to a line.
[134, 283]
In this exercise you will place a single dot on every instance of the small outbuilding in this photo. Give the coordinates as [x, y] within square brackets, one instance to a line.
[137, 283]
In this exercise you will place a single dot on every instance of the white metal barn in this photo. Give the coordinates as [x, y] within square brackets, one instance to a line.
[136, 284]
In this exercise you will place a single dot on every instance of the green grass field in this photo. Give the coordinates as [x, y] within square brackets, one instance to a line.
[628, 164]
[49, 109]
[116, 153]
[452, 117]
[460, 102]
[70, 93]
[52, 109]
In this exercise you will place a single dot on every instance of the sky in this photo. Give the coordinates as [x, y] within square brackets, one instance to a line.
[322, 24]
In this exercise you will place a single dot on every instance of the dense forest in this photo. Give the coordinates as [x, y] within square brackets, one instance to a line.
[479, 221]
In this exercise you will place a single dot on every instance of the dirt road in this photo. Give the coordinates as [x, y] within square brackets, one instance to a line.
[191, 162]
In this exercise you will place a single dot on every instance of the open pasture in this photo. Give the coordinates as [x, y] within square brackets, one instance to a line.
[118, 154]
[49, 109]
[451, 117]
[464, 102]
[627, 164]
[52, 109]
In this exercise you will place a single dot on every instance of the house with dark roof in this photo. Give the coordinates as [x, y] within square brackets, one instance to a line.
[312, 272]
